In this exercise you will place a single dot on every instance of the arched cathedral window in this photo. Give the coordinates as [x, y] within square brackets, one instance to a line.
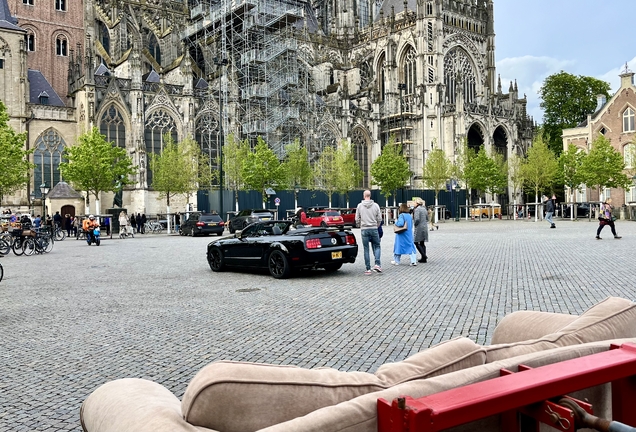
[113, 127]
[158, 124]
[459, 76]
[61, 46]
[361, 154]
[154, 48]
[47, 157]
[381, 77]
[207, 135]
[103, 36]
[409, 71]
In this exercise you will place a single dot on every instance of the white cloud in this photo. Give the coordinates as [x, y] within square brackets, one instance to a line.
[530, 72]
[612, 76]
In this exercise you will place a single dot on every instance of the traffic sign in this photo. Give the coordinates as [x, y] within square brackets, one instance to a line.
[277, 201]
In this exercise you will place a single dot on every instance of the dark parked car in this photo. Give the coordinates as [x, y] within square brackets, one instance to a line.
[582, 210]
[276, 246]
[246, 217]
[202, 224]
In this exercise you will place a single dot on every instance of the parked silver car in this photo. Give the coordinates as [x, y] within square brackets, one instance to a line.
[246, 217]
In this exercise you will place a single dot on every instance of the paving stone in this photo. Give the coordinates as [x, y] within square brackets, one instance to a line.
[150, 307]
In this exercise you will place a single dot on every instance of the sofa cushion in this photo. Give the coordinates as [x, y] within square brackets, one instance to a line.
[613, 318]
[455, 354]
[527, 325]
[237, 396]
[360, 414]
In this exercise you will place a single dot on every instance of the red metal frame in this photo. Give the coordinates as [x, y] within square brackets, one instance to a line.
[516, 391]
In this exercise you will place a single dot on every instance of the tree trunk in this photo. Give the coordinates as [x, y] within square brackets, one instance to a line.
[87, 204]
[536, 206]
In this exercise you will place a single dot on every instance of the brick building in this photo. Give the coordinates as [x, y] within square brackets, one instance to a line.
[615, 120]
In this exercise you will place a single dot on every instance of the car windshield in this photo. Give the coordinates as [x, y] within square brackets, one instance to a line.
[332, 213]
[212, 218]
[262, 213]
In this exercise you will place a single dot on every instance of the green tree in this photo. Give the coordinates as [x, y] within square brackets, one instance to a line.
[484, 173]
[515, 174]
[14, 159]
[464, 155]
[498, 182]
[326, 172]
[180, 169]
[540, 167]
[570, 172]
[235, 153]
[95, 165]
[262, 169]
[567, 100]
[436, 172]
[349, 174]
[390, 171]
[299, 172]
[603, 167]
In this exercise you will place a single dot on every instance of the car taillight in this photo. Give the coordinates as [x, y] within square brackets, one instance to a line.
[200, 224]
[313, 243]
[350, 239]
[221, 223]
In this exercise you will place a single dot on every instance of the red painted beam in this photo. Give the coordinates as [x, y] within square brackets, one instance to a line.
[476, 401]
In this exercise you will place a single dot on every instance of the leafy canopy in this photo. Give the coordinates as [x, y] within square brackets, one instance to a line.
[298, 168]
[235, 154]
[14, 159]
[390, 171]
[95, 165]
[603, 166]
[348, 172]
[567, 100]
[436, 171]
[262, 169]
[570, 162]
[179, 169]
[540, 168]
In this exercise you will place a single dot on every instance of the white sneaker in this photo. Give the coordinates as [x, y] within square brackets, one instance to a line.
[413, 264]
[394, 263]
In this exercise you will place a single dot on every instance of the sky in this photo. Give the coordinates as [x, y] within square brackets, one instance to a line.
[537, 38]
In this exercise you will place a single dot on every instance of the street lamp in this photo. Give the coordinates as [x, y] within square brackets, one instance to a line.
[44, 190]
[296, 190]
[458, 188]
[220, 62]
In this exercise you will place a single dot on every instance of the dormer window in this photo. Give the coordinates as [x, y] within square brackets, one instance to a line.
[628, 120]
[43, 98]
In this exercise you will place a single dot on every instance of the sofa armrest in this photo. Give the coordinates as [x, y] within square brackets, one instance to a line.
[527, 325]
[133, 404]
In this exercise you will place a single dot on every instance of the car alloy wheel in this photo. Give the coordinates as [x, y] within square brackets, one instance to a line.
[278, 265]
[323, 224]
[216, 260]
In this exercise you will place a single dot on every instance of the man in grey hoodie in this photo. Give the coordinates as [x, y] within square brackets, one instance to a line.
[368, 218]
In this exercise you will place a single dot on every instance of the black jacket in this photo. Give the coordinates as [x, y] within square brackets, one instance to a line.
[549, 206]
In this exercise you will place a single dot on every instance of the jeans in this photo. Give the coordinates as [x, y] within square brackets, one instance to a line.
[371, 235]
[548, 217]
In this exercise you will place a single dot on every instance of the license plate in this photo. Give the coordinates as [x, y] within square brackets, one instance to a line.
[265, 218]
[336, 255]
[336, 218]
[211, 224]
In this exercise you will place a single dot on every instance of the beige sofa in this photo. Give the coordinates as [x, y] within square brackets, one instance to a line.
[240, 397]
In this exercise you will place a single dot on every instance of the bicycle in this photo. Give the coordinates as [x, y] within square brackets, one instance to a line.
[153, 226]
[42, 243]
[60, 234]
[1, 269]
[5, 244]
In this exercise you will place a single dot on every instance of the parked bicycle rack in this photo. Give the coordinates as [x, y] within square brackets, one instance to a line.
[527, 391]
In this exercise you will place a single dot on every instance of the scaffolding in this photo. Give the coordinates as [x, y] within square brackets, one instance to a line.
[247, 53]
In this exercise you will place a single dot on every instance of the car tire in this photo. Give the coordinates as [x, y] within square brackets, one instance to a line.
[216, 259]
[322, 224]
[331, 268]
[278, 265]
[219, 234]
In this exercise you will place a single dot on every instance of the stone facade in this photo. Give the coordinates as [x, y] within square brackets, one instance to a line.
[323, 72]
[615, 120]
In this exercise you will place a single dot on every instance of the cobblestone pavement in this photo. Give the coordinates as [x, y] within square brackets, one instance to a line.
[150, 307]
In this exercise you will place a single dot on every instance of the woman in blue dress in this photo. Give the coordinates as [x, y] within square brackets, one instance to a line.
[404, 239]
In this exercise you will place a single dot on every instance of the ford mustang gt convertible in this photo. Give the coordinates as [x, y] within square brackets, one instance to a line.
[278, 247]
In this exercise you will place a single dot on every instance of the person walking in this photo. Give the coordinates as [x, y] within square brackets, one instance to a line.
[139, 224]
[369, 218]
[549, 210]
[57, 218]
[144, 219]
[606, 218]
[431, 218]
[133, 222]
[420, 232]
[123, 222]
[68, 224]
[403, 243]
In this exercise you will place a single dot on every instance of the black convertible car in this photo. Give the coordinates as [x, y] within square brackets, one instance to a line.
[276, 246]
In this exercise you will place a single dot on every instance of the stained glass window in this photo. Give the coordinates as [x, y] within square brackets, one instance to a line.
[47, 157]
